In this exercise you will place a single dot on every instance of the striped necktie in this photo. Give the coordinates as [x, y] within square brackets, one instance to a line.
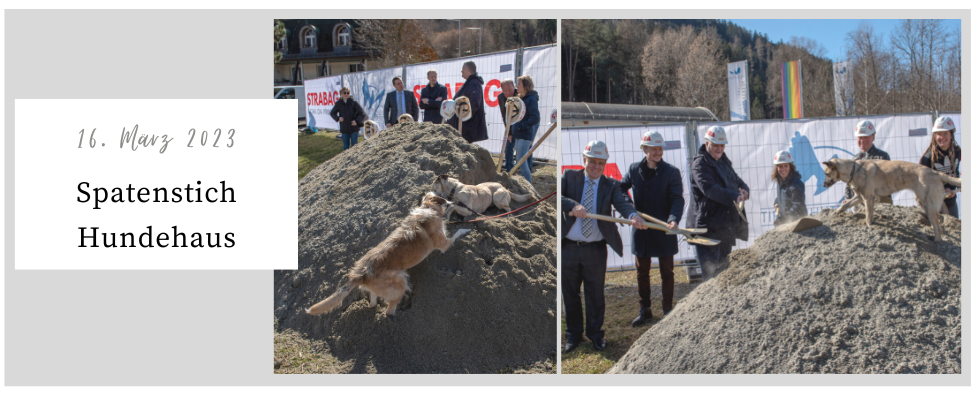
[400, 103]
[588, 223]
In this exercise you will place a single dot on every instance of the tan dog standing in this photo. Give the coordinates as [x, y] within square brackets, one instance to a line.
[383, 270]
[476, 198]
[873, 178]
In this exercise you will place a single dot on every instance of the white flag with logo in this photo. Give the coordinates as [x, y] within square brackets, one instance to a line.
[739, 91]
[844, 88]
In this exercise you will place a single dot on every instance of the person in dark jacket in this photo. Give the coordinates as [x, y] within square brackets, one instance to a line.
[790, 202]
[525, 131]
[432, 96]
[658, 188]
[350, 115]
[474, 129]
[508, 90]
[716, 191]
[400, 102]
[865, 136]
[948, 162]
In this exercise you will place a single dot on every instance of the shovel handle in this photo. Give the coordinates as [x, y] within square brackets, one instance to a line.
[624, 221]
[540, 142]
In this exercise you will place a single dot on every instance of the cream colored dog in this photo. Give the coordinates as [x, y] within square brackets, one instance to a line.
[476, 199]
[875, 178]
[383, 270]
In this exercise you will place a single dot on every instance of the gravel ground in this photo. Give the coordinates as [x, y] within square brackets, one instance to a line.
[485, 306]
[840, 298]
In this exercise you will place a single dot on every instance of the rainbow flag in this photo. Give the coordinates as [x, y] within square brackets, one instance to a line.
[791, 89]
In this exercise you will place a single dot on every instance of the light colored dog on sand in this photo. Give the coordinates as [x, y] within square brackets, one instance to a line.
[876, 178]
[383, 270]
[476, 199]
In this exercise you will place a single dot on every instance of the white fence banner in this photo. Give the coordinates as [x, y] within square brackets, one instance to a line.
[739, 91]
[370, 89]
[543, 65]
[491, 67]
[321, 95]
[623, 146]
[752, 146]
[844, 88]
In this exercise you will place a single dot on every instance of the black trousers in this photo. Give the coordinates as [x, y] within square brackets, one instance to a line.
[643, 266]
[583, 265]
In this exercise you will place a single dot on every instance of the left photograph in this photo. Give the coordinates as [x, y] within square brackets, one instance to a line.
[426, 196]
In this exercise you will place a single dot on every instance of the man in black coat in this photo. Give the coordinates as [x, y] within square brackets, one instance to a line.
[474, 129]
[658, 189]
[432, 95]
[716, 191]
[585, 241]
[399, 102]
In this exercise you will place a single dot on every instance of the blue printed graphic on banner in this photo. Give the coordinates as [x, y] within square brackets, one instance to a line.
[372, 97]
[807, 163]
[737, 72]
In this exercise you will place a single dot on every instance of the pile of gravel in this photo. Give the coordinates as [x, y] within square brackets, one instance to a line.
[486, 305]
[840, 298]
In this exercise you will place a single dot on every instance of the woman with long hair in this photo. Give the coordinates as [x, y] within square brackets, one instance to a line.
[790, 202]
[350, 115]
[525, 131]
[948, 158]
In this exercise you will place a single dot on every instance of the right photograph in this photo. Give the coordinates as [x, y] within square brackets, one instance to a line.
[762, 196]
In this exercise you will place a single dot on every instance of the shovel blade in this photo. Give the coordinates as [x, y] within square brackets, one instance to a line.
[702, 241]
[804, 224]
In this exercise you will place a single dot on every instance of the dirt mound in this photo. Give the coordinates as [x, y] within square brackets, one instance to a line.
[840, 298]
[485, 306]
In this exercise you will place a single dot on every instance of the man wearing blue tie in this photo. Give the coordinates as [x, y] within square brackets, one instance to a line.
[400, 102]
[585, 241]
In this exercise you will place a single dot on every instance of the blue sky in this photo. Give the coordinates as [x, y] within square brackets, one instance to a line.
[831, 33]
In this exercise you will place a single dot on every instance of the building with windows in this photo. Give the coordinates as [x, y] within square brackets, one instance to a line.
[314, 48]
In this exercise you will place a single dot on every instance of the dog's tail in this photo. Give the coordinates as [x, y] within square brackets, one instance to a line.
[334, 300]
[954, 181]
[520, 198]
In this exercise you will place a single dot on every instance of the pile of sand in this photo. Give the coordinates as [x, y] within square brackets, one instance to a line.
[486, 305]
[840, 298]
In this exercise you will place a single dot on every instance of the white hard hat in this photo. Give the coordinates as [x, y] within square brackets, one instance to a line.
[405, 118]
[783, 157]
[865, 128]
[448, 108]
[942, 123]
[716, 135]
[370, 129]
[553, 116]
[653, 139]
[463, 108]
[596, 149]
[516, 109]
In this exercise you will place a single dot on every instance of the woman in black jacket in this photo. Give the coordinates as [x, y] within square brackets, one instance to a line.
[948, 162]
[349, 114]
[525, 131]
[658, 192]
[790, 202]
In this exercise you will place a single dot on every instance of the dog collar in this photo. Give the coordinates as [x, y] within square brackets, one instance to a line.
[450, 194]
[853, 172]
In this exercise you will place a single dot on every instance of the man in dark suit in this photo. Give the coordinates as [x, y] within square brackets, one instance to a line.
[400, 102]
[584, 255]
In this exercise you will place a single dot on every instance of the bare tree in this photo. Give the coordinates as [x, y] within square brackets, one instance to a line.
[398, 41]
[702, 75]
[664, 54]
[277, 36]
